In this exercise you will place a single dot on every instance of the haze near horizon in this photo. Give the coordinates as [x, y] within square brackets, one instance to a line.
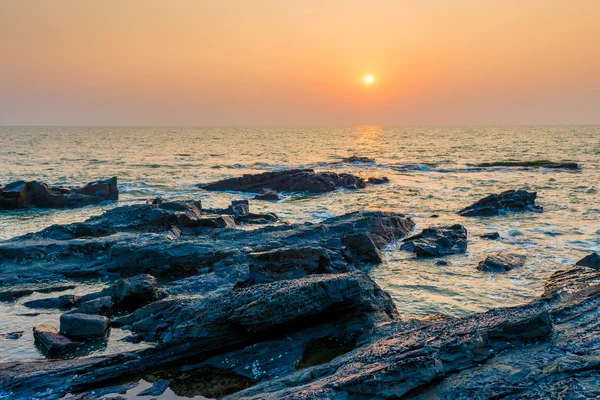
[267, 62]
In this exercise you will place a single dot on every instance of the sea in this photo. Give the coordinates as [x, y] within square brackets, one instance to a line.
[432, 172]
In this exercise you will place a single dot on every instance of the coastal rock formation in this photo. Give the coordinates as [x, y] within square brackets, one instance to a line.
[528, 351]
[437, 241]
[495, 204]
[532, 164]
[22, 194]
[502, 262]
[591, 260]
[294, 180]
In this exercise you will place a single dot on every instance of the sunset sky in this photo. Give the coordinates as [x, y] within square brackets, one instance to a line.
[274, 62]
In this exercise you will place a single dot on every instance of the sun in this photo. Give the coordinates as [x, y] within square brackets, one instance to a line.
[368, 79]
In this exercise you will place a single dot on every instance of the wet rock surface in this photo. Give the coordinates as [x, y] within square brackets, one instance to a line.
[532, 164]
[295, 180]
[23, 194]
[52, 342]
[437, 241]
[83, 326]
[495, 204]
[502, 262]
[591, 260]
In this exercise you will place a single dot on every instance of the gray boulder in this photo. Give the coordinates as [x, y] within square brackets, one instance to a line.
[502, 262]
[437, 241]
[496, 204]
[51, 342]
[591, 260]
[84, 326]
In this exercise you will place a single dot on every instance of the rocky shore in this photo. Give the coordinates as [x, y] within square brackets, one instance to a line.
[237, 304]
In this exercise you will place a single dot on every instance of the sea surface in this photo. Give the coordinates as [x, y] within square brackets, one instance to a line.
[431, 172]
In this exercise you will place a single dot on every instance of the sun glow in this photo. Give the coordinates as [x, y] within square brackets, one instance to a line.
[368, 79]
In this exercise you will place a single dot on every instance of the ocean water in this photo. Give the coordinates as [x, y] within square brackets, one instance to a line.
[430, 170]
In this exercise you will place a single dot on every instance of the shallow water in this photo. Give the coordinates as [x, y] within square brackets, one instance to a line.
[430, 170]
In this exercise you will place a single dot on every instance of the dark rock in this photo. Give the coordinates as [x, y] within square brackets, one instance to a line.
[437, 241]
[495, 204]
[533, 164]
[100, 306]
[591, 260]
[83, 326]
[62, 302]
[441, 263]
[358, 159]
[25, 194]
[156, 389]
[502, 262]
[13, 335]
[134, 292]
[378, 181]
[53, 343]
[295, 180]
[267, 194]
[13, 294]
[490, 236]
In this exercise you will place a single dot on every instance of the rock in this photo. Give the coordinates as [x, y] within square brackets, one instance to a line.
[84, 326]
[267, 194]
[62, 302]
[591, 260]
[490, 236]
[134, 292]
[378, 181]
[295, 180]
[437, 241]
[100, 306]
[13, 294]
[533, 164]
[358, 159]
[495, 204]
[157, 388]
[37, 194]
[502, 262]
[53, 343]
[441, 263]
[12, 335]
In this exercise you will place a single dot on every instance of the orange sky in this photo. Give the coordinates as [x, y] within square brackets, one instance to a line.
[275, 62]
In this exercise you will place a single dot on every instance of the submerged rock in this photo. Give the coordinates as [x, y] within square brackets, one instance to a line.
[532, 164]
[502, 262]
[490, 236]
[437, 241]
[495, 204]
[52, 342]
[267, 194]
[62, 302]
[591, 260]
[358, 159]
[22, 194]
[295, 180]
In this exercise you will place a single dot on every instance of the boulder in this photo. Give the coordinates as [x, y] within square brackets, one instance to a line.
[12, 335]
[502, 262]
[378, 181]
[100, 306]
[134, 292]
[22, 194]
[84, 326]
[437, 241]
[532, 164]
[295, 180]
[490, 236]
[495, 204]
[591, 260]
[52, 343]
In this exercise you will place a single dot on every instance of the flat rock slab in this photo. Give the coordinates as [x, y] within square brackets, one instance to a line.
[83, 325]
[437, 241]
[496, 204]
[502, 262]
[52, 342]
[531, 164]
[295, 180]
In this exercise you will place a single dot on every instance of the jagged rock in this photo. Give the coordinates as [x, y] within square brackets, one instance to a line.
[52, 342]
[26, 194]
[378, 181]
[83, 326]
[295, 180]
[533, 164]
[591, 260]
[135, 291]
[156, 389]
[437, 241]
[495, 204]
[267, 194]
[62, 302]
[490, 236]
[502, 262]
